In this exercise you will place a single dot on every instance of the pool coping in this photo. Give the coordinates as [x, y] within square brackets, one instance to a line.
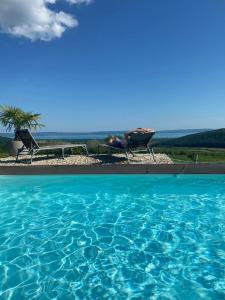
[114, 169]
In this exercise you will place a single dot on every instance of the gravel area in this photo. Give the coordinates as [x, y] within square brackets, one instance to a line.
[88, 160]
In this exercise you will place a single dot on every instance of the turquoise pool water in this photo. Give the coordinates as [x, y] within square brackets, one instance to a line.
[112, 237]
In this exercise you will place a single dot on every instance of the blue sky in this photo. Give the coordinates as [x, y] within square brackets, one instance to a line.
[129, 63]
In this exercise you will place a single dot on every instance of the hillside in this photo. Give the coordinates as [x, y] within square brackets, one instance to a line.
[4, 141]
[4, 146]
[208, 139]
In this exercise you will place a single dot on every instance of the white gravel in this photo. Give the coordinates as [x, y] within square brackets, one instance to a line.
[88, 160]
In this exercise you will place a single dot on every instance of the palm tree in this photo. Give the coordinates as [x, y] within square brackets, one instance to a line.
[15, 118]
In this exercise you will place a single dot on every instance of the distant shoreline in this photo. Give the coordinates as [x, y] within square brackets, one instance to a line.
[100, 135]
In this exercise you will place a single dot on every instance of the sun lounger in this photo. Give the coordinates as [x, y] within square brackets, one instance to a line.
[110, 148]
[31, 147]
[135, 142]
[140, 141]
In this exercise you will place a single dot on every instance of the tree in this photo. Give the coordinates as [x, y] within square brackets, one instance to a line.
[15, 118]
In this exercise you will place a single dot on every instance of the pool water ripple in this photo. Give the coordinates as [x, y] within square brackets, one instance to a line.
[112, 237]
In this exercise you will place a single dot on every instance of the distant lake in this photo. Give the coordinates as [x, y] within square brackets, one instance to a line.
[103, 134]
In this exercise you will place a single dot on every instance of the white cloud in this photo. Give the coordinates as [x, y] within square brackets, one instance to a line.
[35, 19]
[79, 1]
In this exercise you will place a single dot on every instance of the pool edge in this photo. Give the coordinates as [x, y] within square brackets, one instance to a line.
[114, 169]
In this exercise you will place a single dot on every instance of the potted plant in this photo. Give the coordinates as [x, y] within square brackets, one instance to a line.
[16, 119]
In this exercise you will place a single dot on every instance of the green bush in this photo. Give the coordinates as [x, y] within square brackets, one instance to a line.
[92, 146]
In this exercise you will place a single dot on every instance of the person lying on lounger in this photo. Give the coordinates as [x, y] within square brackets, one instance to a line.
[116, 142]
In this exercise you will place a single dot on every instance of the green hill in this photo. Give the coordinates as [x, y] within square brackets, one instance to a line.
[4, 146]
[208, 139]
[4, 140]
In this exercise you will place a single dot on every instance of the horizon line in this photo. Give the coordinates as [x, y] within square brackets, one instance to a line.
[98, 131]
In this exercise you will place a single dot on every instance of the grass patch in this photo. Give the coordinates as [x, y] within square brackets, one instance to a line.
[192, 155]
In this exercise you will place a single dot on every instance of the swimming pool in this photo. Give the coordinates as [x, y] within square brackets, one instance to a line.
[112, 237]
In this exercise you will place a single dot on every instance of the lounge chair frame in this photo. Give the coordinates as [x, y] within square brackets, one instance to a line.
[110, 148]
[136, 142]
[140, 142]
[31, 147]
